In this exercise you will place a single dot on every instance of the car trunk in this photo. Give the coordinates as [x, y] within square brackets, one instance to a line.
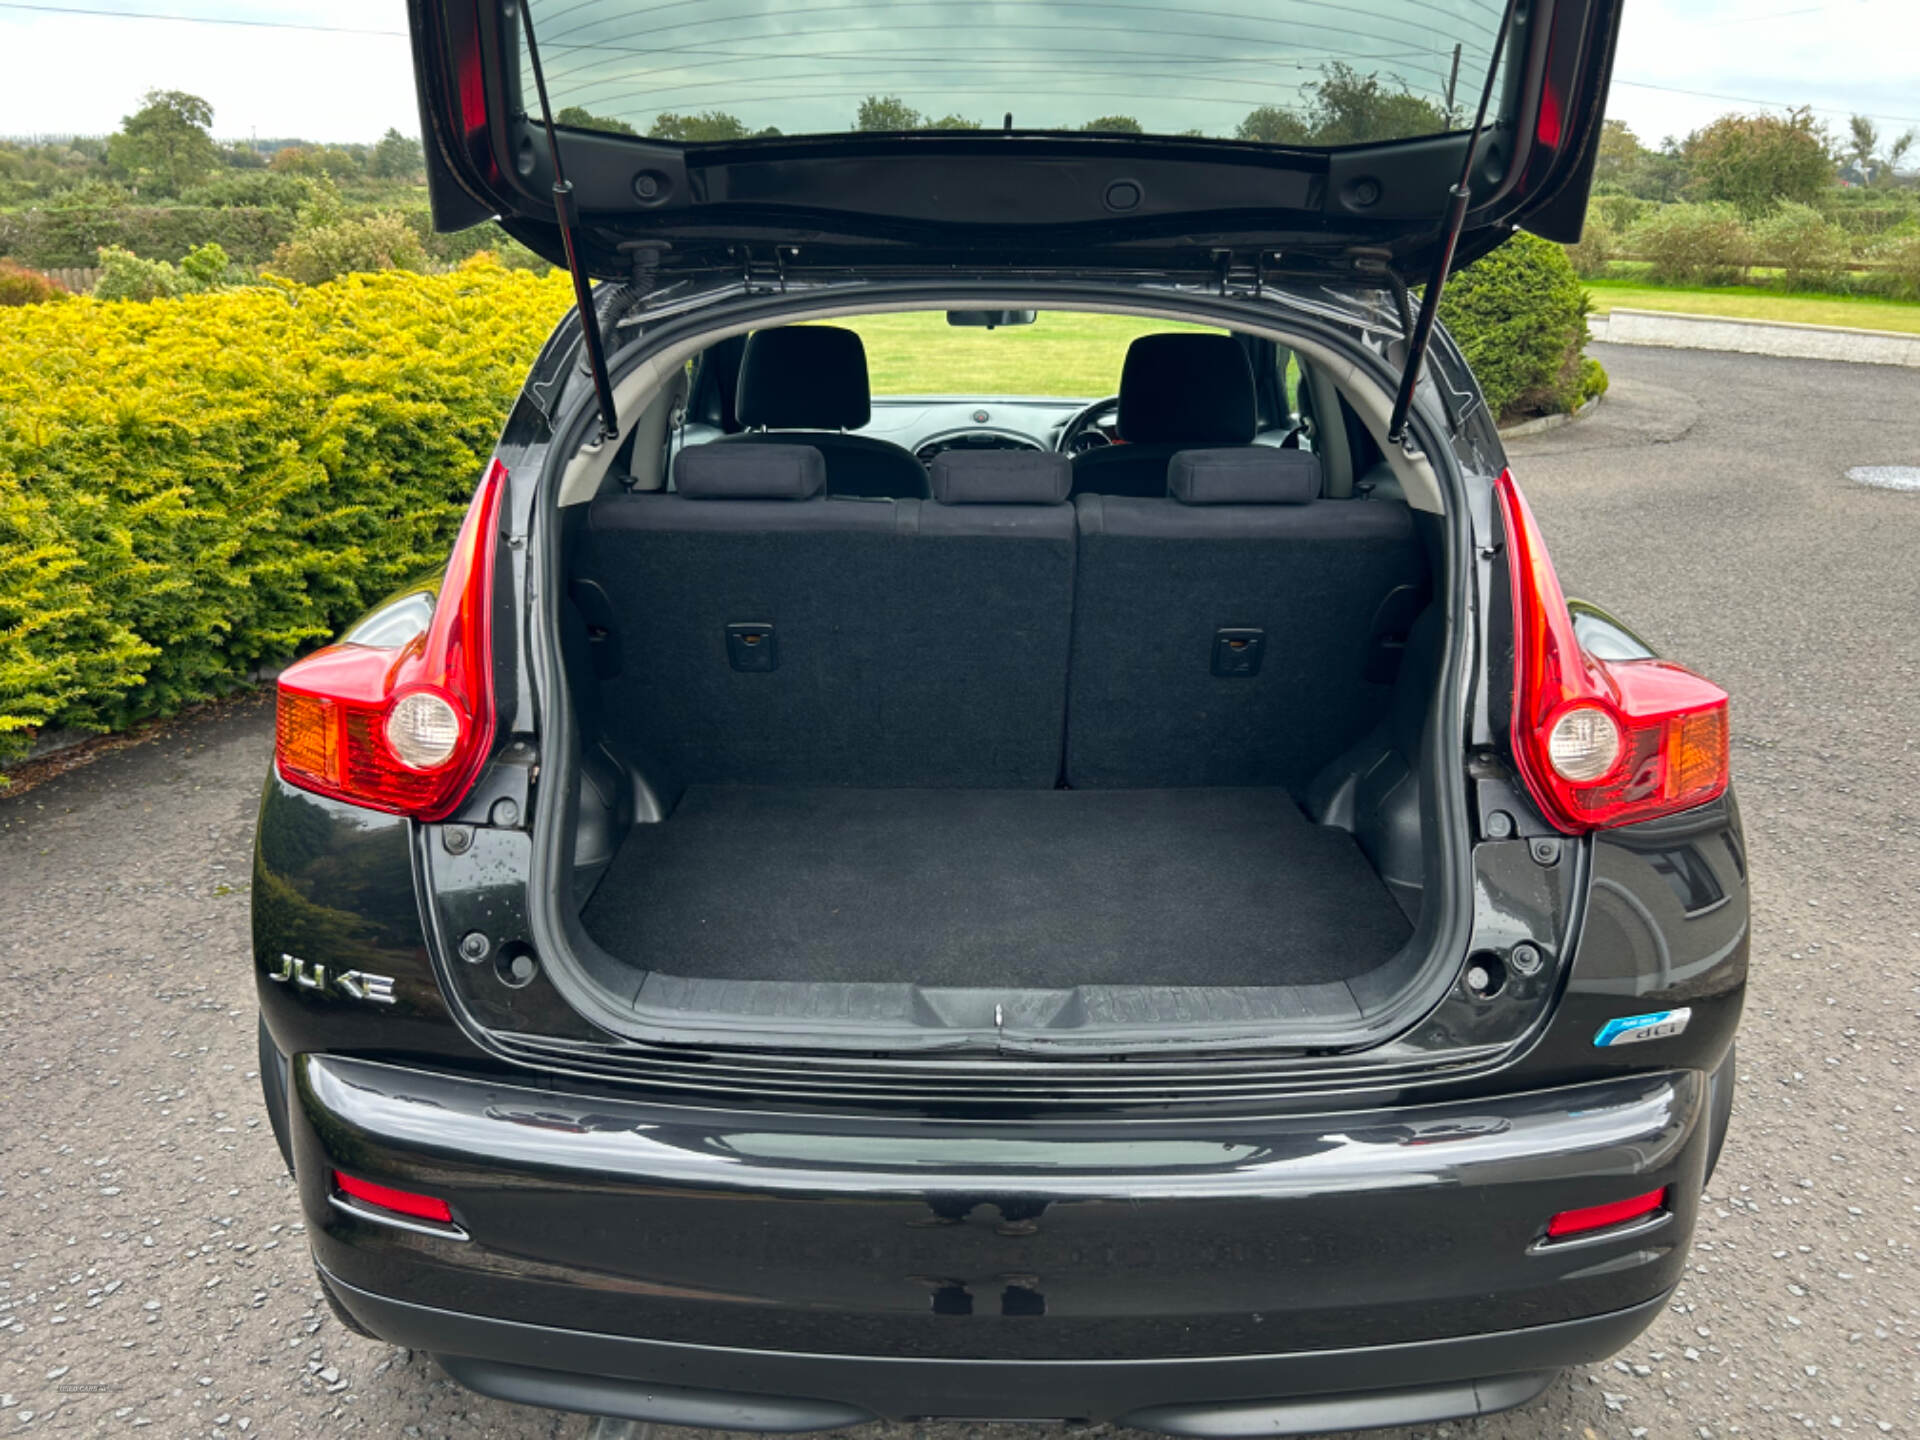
[1046, 889]
[1104, 748]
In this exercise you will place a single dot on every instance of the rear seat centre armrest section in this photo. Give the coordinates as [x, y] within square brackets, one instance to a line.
[994, 636]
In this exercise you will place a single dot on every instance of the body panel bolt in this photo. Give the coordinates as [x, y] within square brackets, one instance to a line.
[1546, 852]
[1499, 825]
[474, 946]
[456, 839]
[1526, 959]
[505, 814]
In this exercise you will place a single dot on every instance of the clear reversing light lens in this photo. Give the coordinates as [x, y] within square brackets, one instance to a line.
[423, 730]
[1584, 745]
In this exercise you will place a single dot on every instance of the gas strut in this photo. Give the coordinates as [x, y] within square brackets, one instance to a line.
[1458, 199]
[567, 213]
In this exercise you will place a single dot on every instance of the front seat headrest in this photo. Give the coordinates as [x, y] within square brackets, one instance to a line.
[1183, 389]
[804, 377]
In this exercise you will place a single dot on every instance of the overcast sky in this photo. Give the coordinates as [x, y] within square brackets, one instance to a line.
[80, 73]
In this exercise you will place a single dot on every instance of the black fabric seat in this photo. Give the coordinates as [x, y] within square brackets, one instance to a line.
[1242, 549]
[803, 384]
[896, 642]
[1177, 392]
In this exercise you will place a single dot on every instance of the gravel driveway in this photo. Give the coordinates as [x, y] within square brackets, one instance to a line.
[156, 1274]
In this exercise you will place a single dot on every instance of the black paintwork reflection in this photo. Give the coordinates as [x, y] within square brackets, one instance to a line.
[904, 1237]
[333, 885]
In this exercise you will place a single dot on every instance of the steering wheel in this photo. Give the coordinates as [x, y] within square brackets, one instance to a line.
[1091, 428]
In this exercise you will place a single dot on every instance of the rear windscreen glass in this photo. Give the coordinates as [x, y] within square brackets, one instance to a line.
[1284, 72]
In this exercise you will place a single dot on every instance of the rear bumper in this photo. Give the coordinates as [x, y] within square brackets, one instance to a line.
[798, 1271]
[709, 1387]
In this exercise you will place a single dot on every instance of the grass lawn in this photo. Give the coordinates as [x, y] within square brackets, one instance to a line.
[1746, 303]
[1061, 353]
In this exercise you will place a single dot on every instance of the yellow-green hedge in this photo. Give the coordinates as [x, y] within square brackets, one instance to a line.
[191, 488]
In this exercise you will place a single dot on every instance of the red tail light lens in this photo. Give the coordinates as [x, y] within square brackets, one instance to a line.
[1601, 1217]
[401, 1202]
[404, 730]
[1600, 742]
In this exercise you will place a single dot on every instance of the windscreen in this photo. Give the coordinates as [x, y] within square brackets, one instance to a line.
[1060, 354]
[1284, 72]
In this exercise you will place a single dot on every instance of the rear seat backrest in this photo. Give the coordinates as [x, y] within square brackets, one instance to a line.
[1242, 543]
[911, 642]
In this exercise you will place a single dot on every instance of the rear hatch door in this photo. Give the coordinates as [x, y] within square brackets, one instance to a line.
[1060, 132]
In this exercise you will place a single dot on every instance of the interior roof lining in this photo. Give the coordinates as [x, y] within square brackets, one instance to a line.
[636, 388]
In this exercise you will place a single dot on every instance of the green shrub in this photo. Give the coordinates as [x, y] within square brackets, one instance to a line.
[1810, 249]
[195, 487]
[1900, 254]
[253, 189]
[1617, 211]
[204, 268]
[321, 252]
[125, 276]
[1520, 317]
[1598, 243]
[54, 236]
[1692, 244]
[21, 286]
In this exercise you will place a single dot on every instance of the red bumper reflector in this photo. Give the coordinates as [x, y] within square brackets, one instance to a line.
[1599, 1217]
[401, 1202]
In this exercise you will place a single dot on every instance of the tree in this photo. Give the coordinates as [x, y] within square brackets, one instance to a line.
[704, 128]
[1621, 156]
[164, 146]
[1863, 139]
[886, 112]
[581, 118]
[396, 157]
[951, 122]
[1115, 125]
[1753, 162]
[1862, 148]
[1272, 125]
[1349, 108]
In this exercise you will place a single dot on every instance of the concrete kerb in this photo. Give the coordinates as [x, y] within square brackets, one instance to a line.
[1788, 339]
[1549, 422]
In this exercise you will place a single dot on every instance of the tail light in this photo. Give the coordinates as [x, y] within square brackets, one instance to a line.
[404, 730]
[1600, 742]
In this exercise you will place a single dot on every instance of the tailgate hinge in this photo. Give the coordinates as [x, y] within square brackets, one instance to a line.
[760, 276]
[1242, 275]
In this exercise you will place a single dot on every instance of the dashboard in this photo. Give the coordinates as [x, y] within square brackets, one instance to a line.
[929, 426]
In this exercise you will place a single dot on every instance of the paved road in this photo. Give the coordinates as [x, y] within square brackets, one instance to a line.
[155, 1275]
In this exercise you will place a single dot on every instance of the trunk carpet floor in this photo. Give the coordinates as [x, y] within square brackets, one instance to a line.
[1004, 888]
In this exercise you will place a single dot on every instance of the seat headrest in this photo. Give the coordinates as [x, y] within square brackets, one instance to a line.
[1258, 475]
[749, 472]
[1001, 477]
[804, 377]
[1185, 389]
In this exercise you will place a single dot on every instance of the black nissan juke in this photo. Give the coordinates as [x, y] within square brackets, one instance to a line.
[891, 879]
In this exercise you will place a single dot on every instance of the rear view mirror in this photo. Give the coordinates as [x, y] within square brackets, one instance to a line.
[991, 319]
